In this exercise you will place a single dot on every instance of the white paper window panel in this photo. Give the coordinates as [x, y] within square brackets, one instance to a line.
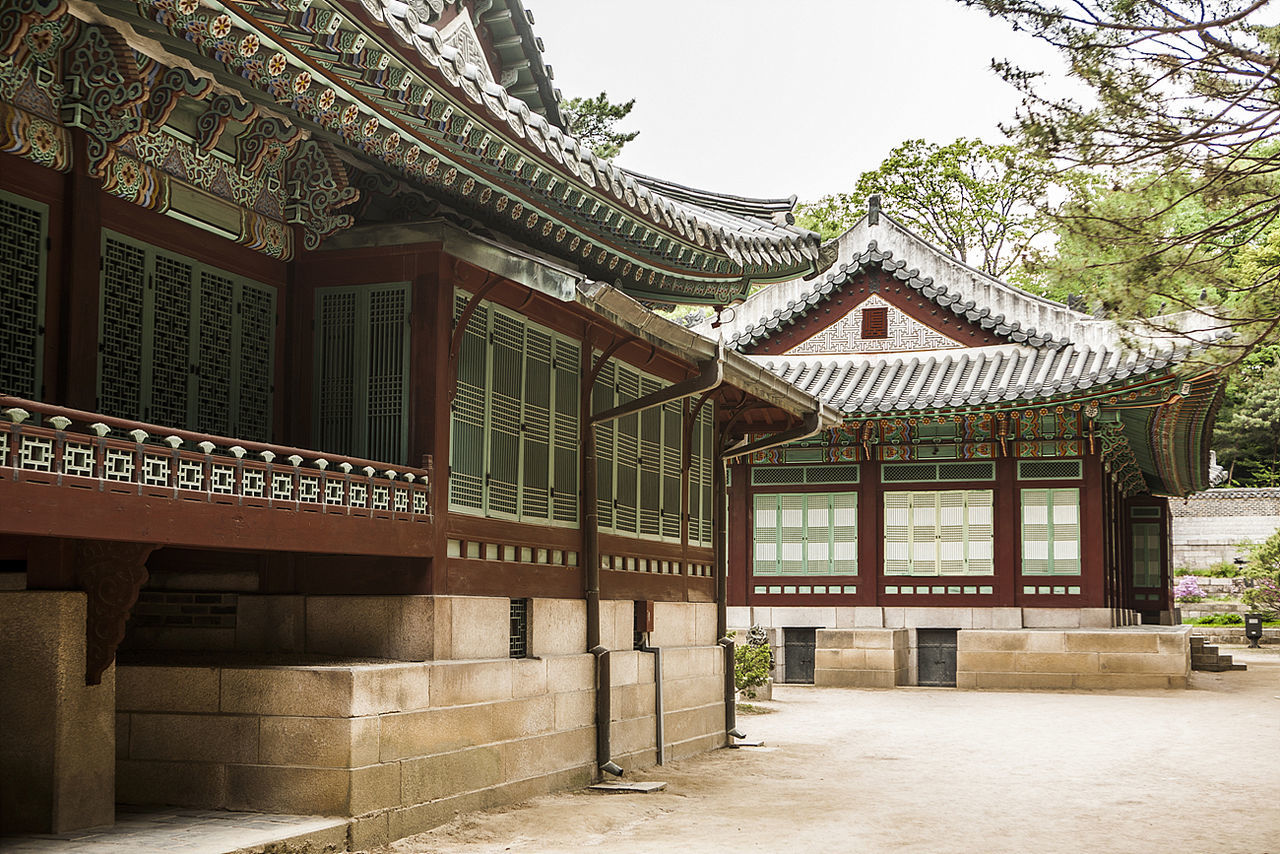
[766, 518]
[766, 552]
[817, 515]
[897, 552]
[924, 517]
[980, 550]
[897, 517]
[1035, 514]
[845, 517]
[1068, 550]
[819, 552]
[792, 551]
[791, 517]
[845, 551]
[951, 516]
[951, 551]
[924, 552]
[1065, 514]
[980, 514]
[1036, 550]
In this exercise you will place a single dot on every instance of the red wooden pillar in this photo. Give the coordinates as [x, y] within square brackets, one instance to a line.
[78, 364]
[1095, 534]
[1007, 533]
[741, 528]
[440, 297]
[870, 533]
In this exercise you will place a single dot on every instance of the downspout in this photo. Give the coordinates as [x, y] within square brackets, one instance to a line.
[710, 376]
[591, 572]
[659, 706]
[812, 423]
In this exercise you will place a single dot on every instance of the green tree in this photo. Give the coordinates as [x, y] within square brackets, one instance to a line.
[979, 202]
[1186, 88]
[592, 122]
[1248, 432]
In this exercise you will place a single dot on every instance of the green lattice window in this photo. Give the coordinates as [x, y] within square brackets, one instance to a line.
[1050, 532]
[938, 533]
[639, 460]
[22, 281]
[1146, 554]
[514, 428]
[183, 344]
[806, 534]
[362, 371]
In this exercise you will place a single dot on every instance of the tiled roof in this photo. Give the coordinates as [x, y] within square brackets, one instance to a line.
[869, 384]
[874, 258]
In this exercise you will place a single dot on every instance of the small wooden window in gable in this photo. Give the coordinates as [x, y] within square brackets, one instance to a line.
[875, 322]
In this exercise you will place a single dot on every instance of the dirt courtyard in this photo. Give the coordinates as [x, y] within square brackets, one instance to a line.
[941, 770]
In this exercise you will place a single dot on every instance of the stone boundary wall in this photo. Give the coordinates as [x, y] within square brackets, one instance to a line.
[1148, 657]
[402, 746]
[874, 617]
[861, 658]
[1210, 527]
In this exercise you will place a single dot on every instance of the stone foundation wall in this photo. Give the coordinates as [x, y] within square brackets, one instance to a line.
[861, 658]
[1148, 657]
[877, 617]
[55, 732]
[404, 745]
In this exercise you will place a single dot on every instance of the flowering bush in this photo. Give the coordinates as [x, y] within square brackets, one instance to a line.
[1188, 590]
[1263, 575]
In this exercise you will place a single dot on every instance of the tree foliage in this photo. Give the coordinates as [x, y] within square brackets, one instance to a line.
[979, 202]
[1248, 432]
[592, 121]
[1185, 88]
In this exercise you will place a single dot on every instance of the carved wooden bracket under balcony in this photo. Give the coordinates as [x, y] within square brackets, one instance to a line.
[111, 574]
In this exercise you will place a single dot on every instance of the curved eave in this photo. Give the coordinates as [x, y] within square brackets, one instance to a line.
[1179, 434]
[403, 99]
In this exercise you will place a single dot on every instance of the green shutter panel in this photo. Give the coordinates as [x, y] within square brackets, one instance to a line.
[817, 535]
[844, 533]
[791, 534]
[650, 462]
[166, 347]
[708, 459]
[1065, 518]
[924, 533]
[216, 310]
[338, 359]
[897, 533]
[602, 397]
[765, 535]
[979, 534]
[564, 463]
[124, 277]
[386, 402]
[672, 461]
[253, 360]
[505, 377]
[22, 275]
[628, 454]
[1036, 542]
[951, 534]
[466, 443]
[536, 427]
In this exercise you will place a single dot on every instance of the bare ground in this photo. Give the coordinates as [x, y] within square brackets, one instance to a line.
[940, 770]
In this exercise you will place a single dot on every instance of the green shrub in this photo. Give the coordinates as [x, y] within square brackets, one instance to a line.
[1219, 620]
[752, 664]
[1262, 575]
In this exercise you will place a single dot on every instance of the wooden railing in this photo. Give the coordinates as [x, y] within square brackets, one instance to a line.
[67, 447]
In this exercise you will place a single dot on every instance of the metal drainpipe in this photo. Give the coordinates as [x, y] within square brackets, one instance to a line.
[722, 597]
[659, 706]
[591, 577]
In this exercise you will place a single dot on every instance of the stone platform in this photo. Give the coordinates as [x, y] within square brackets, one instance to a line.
[189, 831]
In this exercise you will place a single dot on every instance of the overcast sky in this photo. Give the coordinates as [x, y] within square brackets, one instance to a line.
[768, 98]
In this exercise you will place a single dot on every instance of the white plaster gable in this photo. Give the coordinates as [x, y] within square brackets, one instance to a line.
[844, 337]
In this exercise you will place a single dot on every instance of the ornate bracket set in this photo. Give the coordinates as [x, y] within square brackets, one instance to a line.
[57, 73]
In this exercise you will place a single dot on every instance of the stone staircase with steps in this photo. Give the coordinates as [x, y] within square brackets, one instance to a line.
[1205, 657]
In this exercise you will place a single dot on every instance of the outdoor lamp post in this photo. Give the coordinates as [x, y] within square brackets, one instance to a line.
[1253, 629]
